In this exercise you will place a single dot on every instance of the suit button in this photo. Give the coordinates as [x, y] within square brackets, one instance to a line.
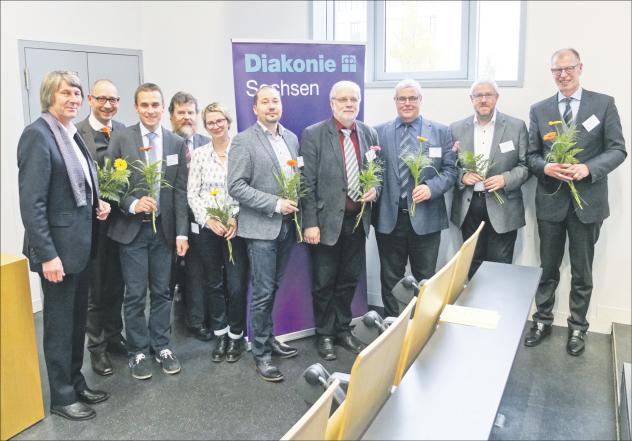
[342, 210]
[344, 190]
[468, 200]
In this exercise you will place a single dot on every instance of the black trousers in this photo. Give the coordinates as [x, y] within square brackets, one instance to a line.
[335, 273]
[491, 246]
[105, 303]
[395, 249]
[65, 310]
[581, 247]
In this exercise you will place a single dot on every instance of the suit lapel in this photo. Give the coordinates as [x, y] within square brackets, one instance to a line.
[263, 139]
[467, 140]
[88, 138]
[362, 141]
[499, 130]
[583, 113]
[334, 139]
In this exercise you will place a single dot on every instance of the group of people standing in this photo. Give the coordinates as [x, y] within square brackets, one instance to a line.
[133, 251]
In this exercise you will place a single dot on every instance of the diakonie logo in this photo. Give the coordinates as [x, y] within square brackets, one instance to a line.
[261, 63]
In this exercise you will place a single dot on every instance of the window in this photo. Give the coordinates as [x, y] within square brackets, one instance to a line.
[440, 43]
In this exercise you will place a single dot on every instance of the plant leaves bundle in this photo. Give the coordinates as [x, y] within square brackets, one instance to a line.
[223, 213]
[416, 163]
[113, 179]
[370, 177]
[563, 151]
[472, 163]
[151, 178]
[292, 188]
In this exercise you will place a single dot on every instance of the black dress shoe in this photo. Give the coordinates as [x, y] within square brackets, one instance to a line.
[575, 345]
[90, 396]
[201, 333]
[538, 332]
[117, 347]
[268, 371]
[326, 348]
[219, 352]
[283, 350]
[101, 363]
[350, 343]
[75, 411]
[233, 350]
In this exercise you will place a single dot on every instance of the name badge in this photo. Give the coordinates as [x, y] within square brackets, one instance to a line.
[172, 160]
[591, 123]
[299, 160]
[507, 146]
[195, 228]
[434, 152]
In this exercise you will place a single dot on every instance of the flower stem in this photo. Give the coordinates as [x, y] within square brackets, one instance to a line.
[359, 217]
[499, 198]
[230, 251]
[575, 194]
[153, 220]
[298, 228]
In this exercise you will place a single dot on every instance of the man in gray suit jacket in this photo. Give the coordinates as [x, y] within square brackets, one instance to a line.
[400, 235]
[265, 220]
[59, 200]
[146, 254]
[333, 152]
[502, 140]
[603, 149]
[105, 324]
[187, 274]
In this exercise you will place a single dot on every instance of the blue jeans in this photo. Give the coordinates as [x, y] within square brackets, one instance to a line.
[147, 261]
[268, 259]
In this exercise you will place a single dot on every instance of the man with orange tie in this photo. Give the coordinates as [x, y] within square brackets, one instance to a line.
[105, 324]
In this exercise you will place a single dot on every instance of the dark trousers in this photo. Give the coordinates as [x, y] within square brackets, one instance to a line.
[491, 246]
[268, 260]
[335, 273]
[65, 309]
[395, 249]
[226, 301]
[147, 261]
[195, 288]
[105, 322]
[581, 247]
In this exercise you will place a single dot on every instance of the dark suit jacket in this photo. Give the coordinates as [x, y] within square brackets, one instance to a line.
[96, 141]
[326, 178]
[54, 226]
[603, 151]
[200, 140]
[124, 226]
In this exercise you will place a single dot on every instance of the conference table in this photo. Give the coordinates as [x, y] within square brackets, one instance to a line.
[454, 387]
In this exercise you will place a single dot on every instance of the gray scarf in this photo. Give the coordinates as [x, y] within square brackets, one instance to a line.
[73, 166]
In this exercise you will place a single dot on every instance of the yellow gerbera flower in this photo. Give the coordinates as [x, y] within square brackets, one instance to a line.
[422, 139]
[120, 164]
[214, 192]
[554, 123]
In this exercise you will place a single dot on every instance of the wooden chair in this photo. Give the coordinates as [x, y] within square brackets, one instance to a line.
[466, 254]
[313, 424]
[432, 298]
[370, 382]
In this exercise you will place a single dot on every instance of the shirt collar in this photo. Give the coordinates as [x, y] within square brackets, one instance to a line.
[576, 96]
[491, 121]
[214, 153]
[416, 123]
[144, 131]
[280, 129]
[339, 126]
[96, 124]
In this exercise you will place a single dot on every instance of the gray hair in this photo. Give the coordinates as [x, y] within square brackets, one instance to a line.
[345, 85]
[488, 81]
[51, 84]
[216, 107]
[566, 49]
[408, 82]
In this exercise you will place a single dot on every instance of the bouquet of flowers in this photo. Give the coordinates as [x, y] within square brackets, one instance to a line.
[416, 163]
[563, 151]
[113, 178]
[152, 180]
[222, 212]
[292, 189]
[370, 176]
[473, 163]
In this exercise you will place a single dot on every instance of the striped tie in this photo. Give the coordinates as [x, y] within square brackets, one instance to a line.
[568, 113]
[404, 151]
[351, 165]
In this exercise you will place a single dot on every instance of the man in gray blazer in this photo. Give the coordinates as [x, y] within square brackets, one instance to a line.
[187, 275]
[265, 220]
[400, 234]
[105, 324]
[502, 140]
[146, 254]
[603, 149]
[334, 152]
[59, 201]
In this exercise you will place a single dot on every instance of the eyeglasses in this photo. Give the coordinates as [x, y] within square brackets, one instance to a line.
[407, 99]
[102, 99]
[218, 123]
[480, 96]
[557, 71]
[347, 100]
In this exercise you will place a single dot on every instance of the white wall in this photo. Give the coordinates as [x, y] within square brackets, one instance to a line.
[186, 45]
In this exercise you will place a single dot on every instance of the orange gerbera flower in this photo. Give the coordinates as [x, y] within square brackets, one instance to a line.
[145, 148]
[549, 136]
[292, 162]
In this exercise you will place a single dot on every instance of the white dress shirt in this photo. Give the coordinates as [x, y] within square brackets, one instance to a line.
[281, 151]
[96, 124]
[575, 100]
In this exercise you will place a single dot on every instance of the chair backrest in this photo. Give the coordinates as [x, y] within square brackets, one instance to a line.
[432, 298]
[371, 381]
[313, 424]
[466, 254]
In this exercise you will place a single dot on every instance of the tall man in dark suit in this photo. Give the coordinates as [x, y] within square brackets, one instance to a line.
[334, 152]
[59, 201]
[603, 149]
[265, 219]
[146, 254]
[105, 323]
[187, 274]
[502, 140]
[400, 235]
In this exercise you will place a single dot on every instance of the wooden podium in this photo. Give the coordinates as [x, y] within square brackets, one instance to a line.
[21, 403]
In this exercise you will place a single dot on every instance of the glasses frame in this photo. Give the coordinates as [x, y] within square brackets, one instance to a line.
[557, 71]
[103, 99]
[407, 99]
[217, 123]
[479, 97]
